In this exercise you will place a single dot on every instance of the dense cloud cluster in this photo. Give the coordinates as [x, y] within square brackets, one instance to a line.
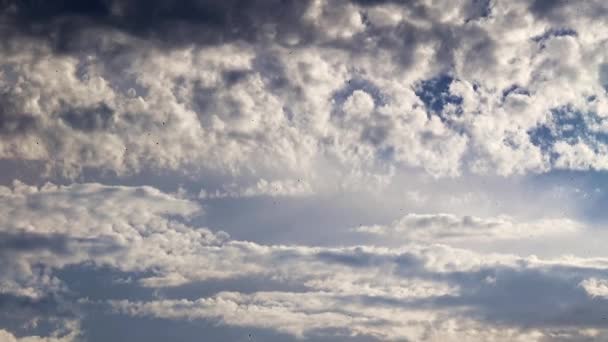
[486, 87]
[387, 170]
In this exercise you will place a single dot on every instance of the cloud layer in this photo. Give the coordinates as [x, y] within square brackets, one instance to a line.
[441, 291]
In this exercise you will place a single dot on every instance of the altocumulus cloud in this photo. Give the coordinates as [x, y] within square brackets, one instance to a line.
[319, 170]
[437, 89]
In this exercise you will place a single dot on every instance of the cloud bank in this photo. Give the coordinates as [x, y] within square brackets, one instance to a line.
[440, 291]
[363, 86]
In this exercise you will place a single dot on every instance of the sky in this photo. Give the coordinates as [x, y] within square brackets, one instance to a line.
[303, 170]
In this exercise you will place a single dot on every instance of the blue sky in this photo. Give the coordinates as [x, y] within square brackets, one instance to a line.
[269, 170]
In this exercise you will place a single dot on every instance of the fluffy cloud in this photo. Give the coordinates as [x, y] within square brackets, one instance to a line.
[466, 90]
[54, 226]
[595, 287]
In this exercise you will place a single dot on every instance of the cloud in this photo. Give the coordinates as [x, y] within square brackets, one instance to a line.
[433, 316]
[296, 314]
[211, 22]
[6, 336]
[448, 227]
[54, 226]
[595, 287]
[303, 314]
[263, 187]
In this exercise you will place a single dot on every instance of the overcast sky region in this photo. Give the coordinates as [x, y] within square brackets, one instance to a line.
[303, 170]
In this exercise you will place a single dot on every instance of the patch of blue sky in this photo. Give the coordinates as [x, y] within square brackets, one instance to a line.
[440, 102]
[586, 188]
[572, 126]
[484, 7]
[435, 94]
[386, 154]
[480, 9]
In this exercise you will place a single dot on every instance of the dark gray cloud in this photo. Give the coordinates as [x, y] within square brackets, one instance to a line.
[167, 22]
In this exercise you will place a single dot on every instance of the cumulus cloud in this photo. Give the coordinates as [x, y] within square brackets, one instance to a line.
[595, 287]
[466, 90]
[55, 226]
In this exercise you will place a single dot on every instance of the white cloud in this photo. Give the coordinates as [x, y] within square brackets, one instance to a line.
[448, 227]
[359, 104]
[268, 110]
[300, 314]
[595, 287]
[68, 331]
[54, 226]
[6, 336]
[278, 188]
